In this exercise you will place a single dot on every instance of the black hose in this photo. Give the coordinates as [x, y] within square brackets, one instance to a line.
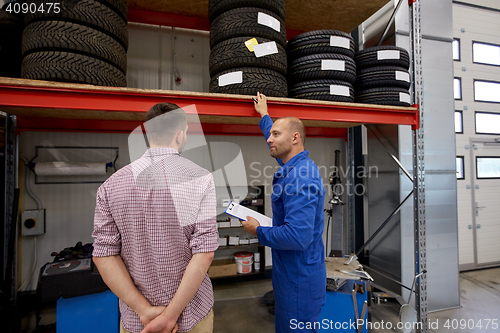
[327, 233]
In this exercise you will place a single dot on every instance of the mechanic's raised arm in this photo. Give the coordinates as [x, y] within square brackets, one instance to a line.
[265, 123]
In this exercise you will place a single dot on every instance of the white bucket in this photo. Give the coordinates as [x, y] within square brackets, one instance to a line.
[244, 262]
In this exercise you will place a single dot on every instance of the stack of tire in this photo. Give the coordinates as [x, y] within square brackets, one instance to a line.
[321, 66]
[77, 41]
[11, 29]
[383, 76]
[247, 42]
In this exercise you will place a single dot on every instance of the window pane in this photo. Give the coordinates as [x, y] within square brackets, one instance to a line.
[486, 54]
[488, 167]
[456, 49]
[458, 122]
[487, 123]
[460, 167]
[457, 88]
[487, 91]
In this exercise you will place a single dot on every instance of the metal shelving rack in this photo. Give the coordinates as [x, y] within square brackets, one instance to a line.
[49, 106]
[418, 168]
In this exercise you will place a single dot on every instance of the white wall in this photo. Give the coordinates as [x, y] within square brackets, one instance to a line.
[481, 25]
[69, 208]
[157, 55]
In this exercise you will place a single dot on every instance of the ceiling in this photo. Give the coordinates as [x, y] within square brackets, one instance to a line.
[301, 15]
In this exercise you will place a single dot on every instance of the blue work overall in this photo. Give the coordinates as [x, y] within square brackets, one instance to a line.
[299, 273]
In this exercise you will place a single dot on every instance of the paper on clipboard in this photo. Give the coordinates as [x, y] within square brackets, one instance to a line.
[241, 212]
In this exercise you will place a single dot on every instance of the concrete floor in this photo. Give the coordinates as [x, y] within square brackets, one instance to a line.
[238, 308]
[479, 300]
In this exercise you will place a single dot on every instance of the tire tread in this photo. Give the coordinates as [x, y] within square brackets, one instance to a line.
[233, 53]
[320, 90]
[309, 68]
[316, 42]
[71, 67]
[241, 22]
[368, 57]
[72, 37]
[217, 7]
[266, 81]
[85, 12]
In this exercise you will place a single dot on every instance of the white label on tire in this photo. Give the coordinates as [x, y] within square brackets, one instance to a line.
[402, 76]
[268, 21]
[265, 49]
[340, 42]
[404, 97]
[339, 90]
[388, 54]
[231, 78]
[333, 65]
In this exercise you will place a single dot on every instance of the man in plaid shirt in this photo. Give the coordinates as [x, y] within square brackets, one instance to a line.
[155, 233]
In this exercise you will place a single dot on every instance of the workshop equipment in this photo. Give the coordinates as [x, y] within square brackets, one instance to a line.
[69, 278]
[96, 313]
[347, 292]
[407, 314]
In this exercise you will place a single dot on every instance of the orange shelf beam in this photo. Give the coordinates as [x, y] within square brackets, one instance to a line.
[72, 102]
[122, 126]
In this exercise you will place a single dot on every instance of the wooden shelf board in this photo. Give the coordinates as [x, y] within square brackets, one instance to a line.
[344, 15]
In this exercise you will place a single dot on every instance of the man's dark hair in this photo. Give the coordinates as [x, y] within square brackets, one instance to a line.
[161, 108]
[164, 120]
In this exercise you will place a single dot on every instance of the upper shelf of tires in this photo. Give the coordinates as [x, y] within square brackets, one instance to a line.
[382, 76]
[321, 66]
[249, 54]
[248, 41]
[85, 41]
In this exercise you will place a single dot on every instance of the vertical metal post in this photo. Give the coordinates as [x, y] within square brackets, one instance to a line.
[10, 225]
[418, 169]
[9, 185]
[351, 205]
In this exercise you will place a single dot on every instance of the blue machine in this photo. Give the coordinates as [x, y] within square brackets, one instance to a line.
[96, 313]
[338, 313]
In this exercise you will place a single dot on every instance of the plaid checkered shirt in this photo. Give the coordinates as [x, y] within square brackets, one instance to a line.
[157, 212]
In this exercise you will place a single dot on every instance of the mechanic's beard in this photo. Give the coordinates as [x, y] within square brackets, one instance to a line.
[279, 153]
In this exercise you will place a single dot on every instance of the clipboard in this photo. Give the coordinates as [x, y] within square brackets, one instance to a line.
[241, 212]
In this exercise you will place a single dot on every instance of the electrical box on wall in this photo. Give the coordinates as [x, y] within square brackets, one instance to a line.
[33, 222]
